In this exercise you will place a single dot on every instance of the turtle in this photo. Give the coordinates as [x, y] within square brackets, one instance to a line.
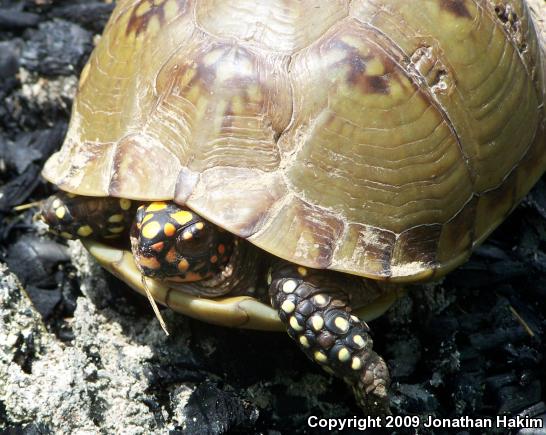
[283, 164]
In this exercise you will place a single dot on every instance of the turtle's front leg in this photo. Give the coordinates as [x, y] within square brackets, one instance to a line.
[314, 307]
[80, 217]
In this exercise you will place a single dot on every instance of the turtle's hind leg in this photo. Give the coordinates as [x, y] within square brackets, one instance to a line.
[75, 217]
[314, 307]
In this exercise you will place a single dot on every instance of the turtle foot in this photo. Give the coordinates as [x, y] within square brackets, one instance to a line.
[318, 318]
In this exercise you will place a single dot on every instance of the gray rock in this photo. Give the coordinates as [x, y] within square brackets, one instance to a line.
[95, 384]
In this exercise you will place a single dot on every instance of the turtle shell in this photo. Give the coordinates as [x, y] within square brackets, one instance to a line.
[367, 136]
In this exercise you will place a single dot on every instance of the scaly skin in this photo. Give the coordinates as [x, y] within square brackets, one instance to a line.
[315, 307]
[74, 216]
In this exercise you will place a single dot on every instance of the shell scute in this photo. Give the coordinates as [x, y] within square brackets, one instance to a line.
[230, 102]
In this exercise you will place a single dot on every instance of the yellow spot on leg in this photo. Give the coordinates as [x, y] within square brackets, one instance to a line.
[116, 230]
[125, 204]
[60, 212]
[343, 354]
[320, 356]
[302, 271]
[115, 218]
[359, 341]
[304, 341]
[56, 203]
[66, 235]
[288, 307]
[150, 230]
[85, 231]
[320, 300]
[317, 322]
[341, 324]
[356, 364]
[295, 325]
[289, 286]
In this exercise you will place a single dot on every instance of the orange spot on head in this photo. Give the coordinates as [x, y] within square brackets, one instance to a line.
[157, 247]
[169, 229]
[199, 225]
[221, 249]
[187, 235]
[149, 262]
[183, 265]
[171, 255]
[213, 259]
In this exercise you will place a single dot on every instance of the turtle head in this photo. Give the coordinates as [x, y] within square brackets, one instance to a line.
[173, 243]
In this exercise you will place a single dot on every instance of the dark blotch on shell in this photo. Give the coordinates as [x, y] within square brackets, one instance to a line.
[139, 23]
[456, 7]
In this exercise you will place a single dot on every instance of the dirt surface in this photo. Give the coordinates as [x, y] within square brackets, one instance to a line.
[80, 352]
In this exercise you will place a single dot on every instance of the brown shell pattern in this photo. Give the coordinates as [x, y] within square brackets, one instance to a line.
[384, 138]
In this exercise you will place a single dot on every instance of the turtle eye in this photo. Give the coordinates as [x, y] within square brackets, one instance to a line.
[195, 239]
